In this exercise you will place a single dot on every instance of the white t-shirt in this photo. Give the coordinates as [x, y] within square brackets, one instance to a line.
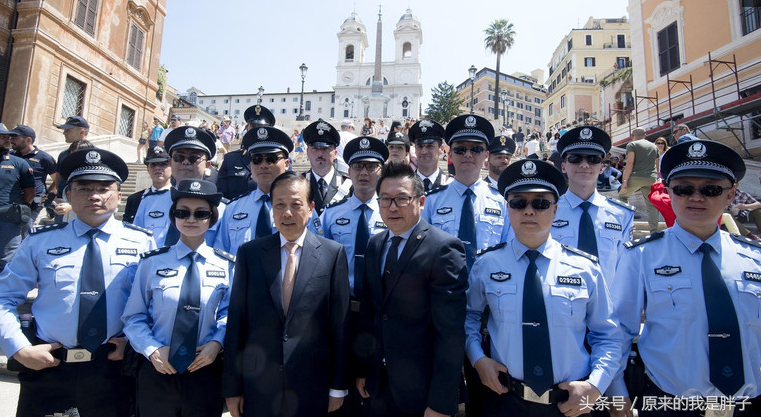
[531, 147]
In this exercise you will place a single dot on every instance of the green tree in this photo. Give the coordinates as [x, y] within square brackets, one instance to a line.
[499, 38]
[161, 81]
[445, 103]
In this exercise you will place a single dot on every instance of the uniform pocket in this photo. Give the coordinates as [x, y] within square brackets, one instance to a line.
[569, 305]
[445, 223]
[503, 300]
[489, 229]
[165, 290]
[749, 296]
[670, 297]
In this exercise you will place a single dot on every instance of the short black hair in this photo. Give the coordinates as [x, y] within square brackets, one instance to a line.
[292, 176]
[396, 169]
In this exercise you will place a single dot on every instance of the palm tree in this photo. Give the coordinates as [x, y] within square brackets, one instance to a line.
[499, 38]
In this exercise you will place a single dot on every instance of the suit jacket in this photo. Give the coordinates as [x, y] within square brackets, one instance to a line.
[417, 325]
[287, 363]
[133, 202]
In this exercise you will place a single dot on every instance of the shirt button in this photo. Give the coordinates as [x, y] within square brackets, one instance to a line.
[280, 368]
[499, 291]
[385, 317]
[285, 338]
[670, 287]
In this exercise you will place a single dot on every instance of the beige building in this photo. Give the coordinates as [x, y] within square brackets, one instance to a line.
[523, 107]
[677, 46]
[578, 64]
[97, 59]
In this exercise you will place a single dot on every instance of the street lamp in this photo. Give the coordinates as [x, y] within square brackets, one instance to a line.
[259, 95]
[472, 74]
[503, 97]
[303, 69]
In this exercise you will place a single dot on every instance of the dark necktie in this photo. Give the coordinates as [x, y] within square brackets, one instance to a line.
[427, 184]
[360, 243]
[587, 239]
[92, 329]
[322, 187]
[182, 351]
[391, 258]
[263, 222]
[724, 349]
[467, 231]
[537, 356]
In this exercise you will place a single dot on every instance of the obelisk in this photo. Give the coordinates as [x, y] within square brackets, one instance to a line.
[377, 101]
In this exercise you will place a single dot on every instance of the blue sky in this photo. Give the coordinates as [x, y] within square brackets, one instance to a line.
[234, 46]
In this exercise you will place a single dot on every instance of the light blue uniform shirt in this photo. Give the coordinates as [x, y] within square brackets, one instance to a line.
[339, 223]
[663, 277]
[51, 259]
[238, 225]
[152, 306]
[575, 298]
[614, 226]
[443, 208]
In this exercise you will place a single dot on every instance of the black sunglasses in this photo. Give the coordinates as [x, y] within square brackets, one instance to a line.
[198, 214]
[180, 158]
[709, 190]
[271, 158]
[476, 150]
[536, 204]
[591, 159]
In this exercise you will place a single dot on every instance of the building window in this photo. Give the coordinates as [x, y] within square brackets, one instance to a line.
[407, 50]
[528, 107]
[621, 41]
[237, 111]
[282, 111]
[226, 112]
[319, 110]
[538, 112]
[248, 100]
[549, 110]
[73, 98]
[213, 101]
[520, 117]
[520, 105]
[570, 44]
[491, 110]
[126, 121]
[562, 101]
[282, 99]
[537, 100]
[200, 101]
[295, 111]
[538, 122]
[135, 47]
[589, 61]
[528, 120]
[668, 49]
[332, 112]
[307, 105]
[349, 53]
[194, 97]
[588, 40]
[295, 99]
[332, 98]
[751, 15]
[623, 62]
[272, 100]
[87, 10]
[346, 113]
[227, 101]
[569, 66]
[237, 100]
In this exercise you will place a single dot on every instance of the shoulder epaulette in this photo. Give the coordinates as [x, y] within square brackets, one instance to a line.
[621, 204]
[222, 254]
[138, 228]
[48, 228]
[437, 189]
[649, 238]
[224, 200]
[491, 248]
[578, 251]
[338, 203]
[240, 196]
[747, 241]
[150, 253]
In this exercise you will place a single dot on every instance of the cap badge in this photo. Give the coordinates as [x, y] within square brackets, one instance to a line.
[364, 143]
[528, 169]
[697, 151]
[424, 125]
[158, 149]
[502, 140]
[92, 157]
[470, 121]
[585, 134]
[262, 133]
[190, 133]
[258, 110]
[322, 127]
[195, 186]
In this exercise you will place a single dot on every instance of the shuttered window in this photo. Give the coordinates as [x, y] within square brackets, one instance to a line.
[87, 10]
[135, 47]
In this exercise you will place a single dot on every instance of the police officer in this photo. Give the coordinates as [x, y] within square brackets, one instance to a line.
[42, 164]
[182, 344]
[16, 194]
[398, 147]
[234, 174]
[157, 163]
[428, 135]
[501, 151]
[250, 215]
[586, 219]
[81, 272]
[326, 183]
[75, 129]
[543, 296]
[698, 287]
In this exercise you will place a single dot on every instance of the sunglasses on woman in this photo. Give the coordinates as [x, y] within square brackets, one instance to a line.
[183, 214]
[709, 190]
[536, 204]
[591, 159]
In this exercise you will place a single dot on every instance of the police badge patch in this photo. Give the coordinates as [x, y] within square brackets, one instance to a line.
[499, 276]
[444, 210]
[240, 216]
[166, 272]
[57, 251]
[342, 221]
[560, 223]
[156, 214]
[668, 271]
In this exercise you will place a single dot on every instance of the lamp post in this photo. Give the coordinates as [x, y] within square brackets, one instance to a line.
[259, 95]
[503, 97]
[472, 74]
[303, 69]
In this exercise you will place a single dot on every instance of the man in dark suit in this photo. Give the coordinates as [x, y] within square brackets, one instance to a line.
[286, 343]
[412, 308]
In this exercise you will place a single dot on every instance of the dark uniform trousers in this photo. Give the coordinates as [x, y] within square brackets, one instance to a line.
[190, 394]
[96, 388]
[511, 405]
[752, 406]
[383, 405]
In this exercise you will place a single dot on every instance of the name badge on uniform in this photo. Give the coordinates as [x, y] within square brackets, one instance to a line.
[614, 226]
[381, 225]
[444, 210]
[156, 214]
[126, 251]
[240, 216]
[499, 276]
[575, 281]
[494, 211]
[752, 276]
[215, 274]
[58, 251]
[668, 271]
[166, 272]
[560, 223]
[342, 221]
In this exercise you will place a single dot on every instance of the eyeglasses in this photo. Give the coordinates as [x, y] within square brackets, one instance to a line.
[385, 202]
[198, 214]
[536, 204]
[591, 159]
[369, 167]
[708, 190]
[461, 150]
[192, 159]
[271, 158]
